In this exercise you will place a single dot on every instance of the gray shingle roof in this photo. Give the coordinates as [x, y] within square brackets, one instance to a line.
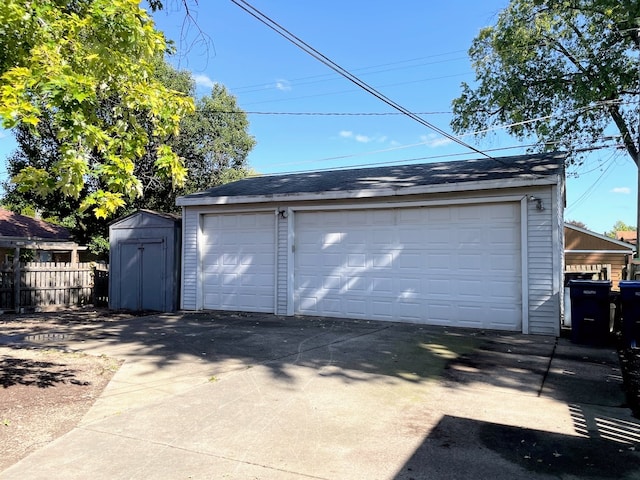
[393, 177]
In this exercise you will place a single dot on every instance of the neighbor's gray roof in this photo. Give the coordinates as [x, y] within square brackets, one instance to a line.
[394, 177]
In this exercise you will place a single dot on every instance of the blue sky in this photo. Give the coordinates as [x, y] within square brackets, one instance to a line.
[414, 52]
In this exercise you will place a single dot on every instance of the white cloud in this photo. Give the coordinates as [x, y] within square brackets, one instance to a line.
[435, 141]
[204, 81]
[623, 190]
[361, 138]
[283, 85]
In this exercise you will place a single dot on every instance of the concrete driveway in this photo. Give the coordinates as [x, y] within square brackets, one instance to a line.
[251, 396]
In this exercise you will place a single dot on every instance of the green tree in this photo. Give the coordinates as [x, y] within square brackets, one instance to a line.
[560, 71]
[86, 68]
[619, 226]
[213, 142]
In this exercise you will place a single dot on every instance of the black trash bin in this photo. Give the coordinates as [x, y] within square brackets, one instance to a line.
[630, 305]
[590, 311]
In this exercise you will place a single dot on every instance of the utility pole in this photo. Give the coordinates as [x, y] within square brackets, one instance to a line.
[637, 160]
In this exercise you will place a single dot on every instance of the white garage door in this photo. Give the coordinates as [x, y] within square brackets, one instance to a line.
[237, 262]
[454, 265]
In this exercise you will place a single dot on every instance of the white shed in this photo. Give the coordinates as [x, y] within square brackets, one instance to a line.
[474, 243]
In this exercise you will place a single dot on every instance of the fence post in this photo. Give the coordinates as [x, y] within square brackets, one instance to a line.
[16, 279]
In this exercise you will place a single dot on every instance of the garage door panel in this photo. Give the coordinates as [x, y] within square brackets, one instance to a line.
[454, 265]
[410, 216]
[502, 263]
[381, 286]
[408, 262]
[410, 310]
[238, 262]
[502, 235]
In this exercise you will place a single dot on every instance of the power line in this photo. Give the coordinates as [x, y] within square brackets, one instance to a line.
[339, 92]
[324, 114]
[391, 162]
[591, 188]
[330, 76]
[345, 73]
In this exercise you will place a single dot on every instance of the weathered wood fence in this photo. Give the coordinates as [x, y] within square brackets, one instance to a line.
[49, 284]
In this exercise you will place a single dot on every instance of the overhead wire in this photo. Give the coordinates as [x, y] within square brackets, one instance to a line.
[591, 189]
[346, 74]
[341, 92]
[382, 163]
[314, 79]
[390, 162]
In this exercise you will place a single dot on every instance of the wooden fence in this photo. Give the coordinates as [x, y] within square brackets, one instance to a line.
[597, 272]
[49, 284]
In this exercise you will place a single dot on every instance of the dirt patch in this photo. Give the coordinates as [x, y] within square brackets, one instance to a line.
[44, 392]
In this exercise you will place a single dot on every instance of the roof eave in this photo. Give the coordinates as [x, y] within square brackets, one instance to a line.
[613, 241]
[187, 201]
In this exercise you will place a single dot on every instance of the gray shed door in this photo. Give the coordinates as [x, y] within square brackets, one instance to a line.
[451, 265]
[142, 266]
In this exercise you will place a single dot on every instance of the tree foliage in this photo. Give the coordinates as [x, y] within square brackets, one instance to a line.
[85, 68]
[561, 71]
[213, 144]
[620, 226]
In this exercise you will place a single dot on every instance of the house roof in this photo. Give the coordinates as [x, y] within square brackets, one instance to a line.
[392, 180]
[21, 226]
[630, 236]
[578, 239]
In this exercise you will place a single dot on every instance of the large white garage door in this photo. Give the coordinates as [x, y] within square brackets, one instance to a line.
[237, 262]
[453, 265]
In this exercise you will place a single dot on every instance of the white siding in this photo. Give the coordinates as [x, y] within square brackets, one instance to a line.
[544, 307]
[190, 228]
[282, 248]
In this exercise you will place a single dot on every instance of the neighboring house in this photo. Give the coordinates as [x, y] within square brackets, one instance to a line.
[629, 236]
[50, 243]
[474, 243]
[589, 252]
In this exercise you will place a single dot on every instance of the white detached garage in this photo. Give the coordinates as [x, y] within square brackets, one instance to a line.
[474, 243]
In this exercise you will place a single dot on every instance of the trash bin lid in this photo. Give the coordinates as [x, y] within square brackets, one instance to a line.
[629, 283]
[595, 283]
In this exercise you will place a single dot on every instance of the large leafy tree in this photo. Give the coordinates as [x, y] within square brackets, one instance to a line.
[213, 144]
[85, 67]
[564, 72]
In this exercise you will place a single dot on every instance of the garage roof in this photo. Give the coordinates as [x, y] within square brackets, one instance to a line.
[392, 180]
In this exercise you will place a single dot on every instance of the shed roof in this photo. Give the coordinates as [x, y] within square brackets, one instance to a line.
[375, 181]
[20, 226]
[173, 217]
